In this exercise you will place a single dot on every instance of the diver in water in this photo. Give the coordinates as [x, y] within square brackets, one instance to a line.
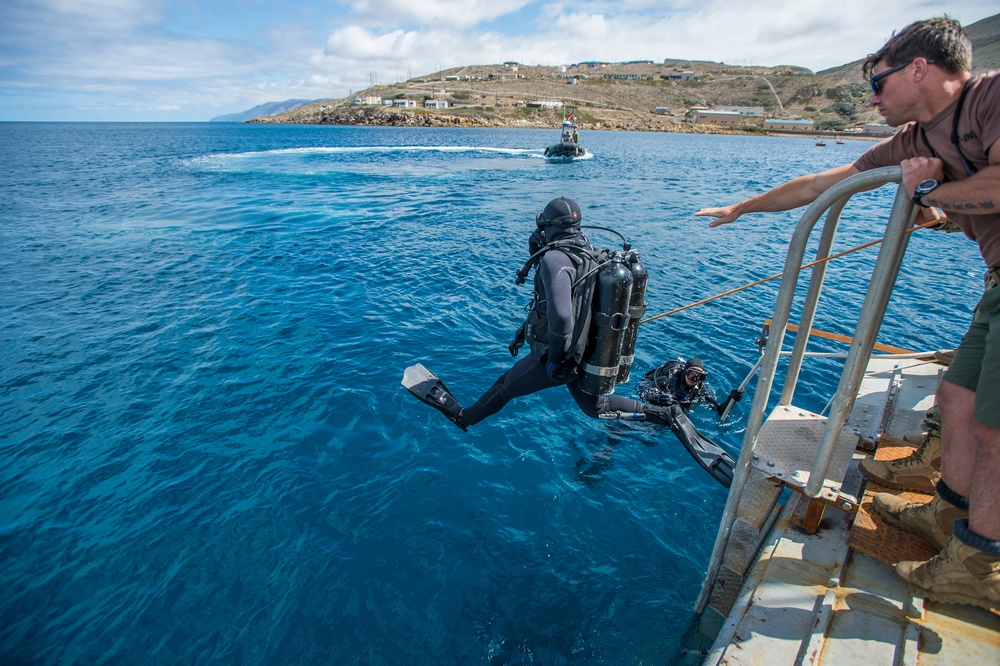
[678, 383]
[557, 331]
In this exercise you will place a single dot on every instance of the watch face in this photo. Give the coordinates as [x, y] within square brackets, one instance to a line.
[927, 185]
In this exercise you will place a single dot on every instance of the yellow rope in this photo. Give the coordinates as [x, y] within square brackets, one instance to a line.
[778, 275]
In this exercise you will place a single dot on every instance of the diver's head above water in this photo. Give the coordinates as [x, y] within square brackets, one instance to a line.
[694, 372]
[560, 218]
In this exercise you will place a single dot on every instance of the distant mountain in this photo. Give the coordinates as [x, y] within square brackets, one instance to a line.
[985, 36]
[266, 109]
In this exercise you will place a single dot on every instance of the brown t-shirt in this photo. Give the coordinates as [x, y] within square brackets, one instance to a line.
[978, 129]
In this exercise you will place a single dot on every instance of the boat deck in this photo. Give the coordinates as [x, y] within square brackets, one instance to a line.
[832, 597]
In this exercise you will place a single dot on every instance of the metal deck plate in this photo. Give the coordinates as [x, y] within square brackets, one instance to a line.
[805, 601]
[787, 445]
[912, 397]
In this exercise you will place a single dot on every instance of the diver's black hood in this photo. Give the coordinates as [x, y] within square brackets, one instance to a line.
[554, 233]
[540, 237]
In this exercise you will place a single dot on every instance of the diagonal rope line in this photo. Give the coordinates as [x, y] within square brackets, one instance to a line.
[778, 275]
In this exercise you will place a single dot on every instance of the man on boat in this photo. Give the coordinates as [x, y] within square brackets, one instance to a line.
[949, 150]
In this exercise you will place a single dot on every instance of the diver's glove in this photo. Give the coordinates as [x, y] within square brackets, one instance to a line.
[560, 372]
[734, 397]
[518, 342]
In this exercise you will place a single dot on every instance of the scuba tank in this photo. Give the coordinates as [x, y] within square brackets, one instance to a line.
[636, 310]
[612, 293]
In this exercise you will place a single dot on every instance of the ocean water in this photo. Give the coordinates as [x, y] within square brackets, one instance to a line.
[206, 455]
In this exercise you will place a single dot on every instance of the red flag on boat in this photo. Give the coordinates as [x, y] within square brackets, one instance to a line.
[571, 117]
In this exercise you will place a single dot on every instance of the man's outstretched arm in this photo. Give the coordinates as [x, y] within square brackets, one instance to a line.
[793, 194]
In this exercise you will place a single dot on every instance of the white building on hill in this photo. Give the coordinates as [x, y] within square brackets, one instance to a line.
[743, 110]
[879, 129]
[716, 117]
[786, 125]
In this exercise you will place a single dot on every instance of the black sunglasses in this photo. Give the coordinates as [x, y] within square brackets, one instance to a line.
[876, 81]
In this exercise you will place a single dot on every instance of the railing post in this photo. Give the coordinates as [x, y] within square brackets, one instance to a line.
[811, 302]
[890, 257]
[786, 292]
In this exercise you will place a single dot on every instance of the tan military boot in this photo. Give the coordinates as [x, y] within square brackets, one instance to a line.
[918, 471]
[931, 426]
[933, 521]
[959, 574]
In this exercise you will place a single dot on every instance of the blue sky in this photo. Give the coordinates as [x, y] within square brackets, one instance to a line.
[191, 60]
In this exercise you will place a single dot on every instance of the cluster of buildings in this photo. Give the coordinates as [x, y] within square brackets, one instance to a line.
[402, 103]
[738, 115]
[437, 103]
[732, 116]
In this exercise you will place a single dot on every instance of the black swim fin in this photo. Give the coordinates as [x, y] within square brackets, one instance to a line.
[706, 453]
[427, 388]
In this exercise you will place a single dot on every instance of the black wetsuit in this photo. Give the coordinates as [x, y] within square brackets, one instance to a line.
[549, 340]
[666, 386]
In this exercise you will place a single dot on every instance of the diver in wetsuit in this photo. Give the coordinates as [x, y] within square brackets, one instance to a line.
[556, 330]
[678, 383]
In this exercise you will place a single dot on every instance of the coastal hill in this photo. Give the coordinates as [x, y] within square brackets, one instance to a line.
[637, 96]
[266, 109]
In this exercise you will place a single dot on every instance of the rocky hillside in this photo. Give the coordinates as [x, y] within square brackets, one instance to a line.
[629, 96]
[607, 96]
[985, 37]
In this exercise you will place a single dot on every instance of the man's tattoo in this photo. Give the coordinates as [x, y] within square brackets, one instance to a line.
[968, 205]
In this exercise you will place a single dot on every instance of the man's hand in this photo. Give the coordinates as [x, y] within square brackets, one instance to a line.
[918, 169]
[724, 215]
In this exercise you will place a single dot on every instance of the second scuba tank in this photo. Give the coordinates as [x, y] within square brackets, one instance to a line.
[636, 311]
[607, 330]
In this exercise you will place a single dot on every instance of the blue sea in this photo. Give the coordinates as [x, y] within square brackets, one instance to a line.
[206, 454]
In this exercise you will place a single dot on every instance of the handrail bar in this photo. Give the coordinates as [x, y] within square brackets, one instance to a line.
[811, 302]
[890, 258]
[793, 260]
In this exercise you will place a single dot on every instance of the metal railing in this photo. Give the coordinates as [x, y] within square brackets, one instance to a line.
[880, 287]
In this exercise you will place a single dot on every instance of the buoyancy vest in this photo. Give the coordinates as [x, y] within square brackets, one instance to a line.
[586, 260]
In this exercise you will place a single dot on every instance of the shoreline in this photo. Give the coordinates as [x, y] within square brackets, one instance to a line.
[628, 121]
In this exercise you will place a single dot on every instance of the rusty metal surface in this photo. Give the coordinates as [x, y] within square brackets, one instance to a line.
[915, 395]
[872, 534]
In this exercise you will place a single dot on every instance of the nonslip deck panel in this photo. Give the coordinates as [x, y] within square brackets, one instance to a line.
[872, 534]
[787, 445]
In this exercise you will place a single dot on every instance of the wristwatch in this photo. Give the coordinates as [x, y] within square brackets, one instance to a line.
[924, 188]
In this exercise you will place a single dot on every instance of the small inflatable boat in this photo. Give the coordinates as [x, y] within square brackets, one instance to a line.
[569, 144]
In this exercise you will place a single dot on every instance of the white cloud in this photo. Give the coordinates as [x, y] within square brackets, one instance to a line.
[357, 44]
[454, 13]
[793, 32]
[86, 15]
